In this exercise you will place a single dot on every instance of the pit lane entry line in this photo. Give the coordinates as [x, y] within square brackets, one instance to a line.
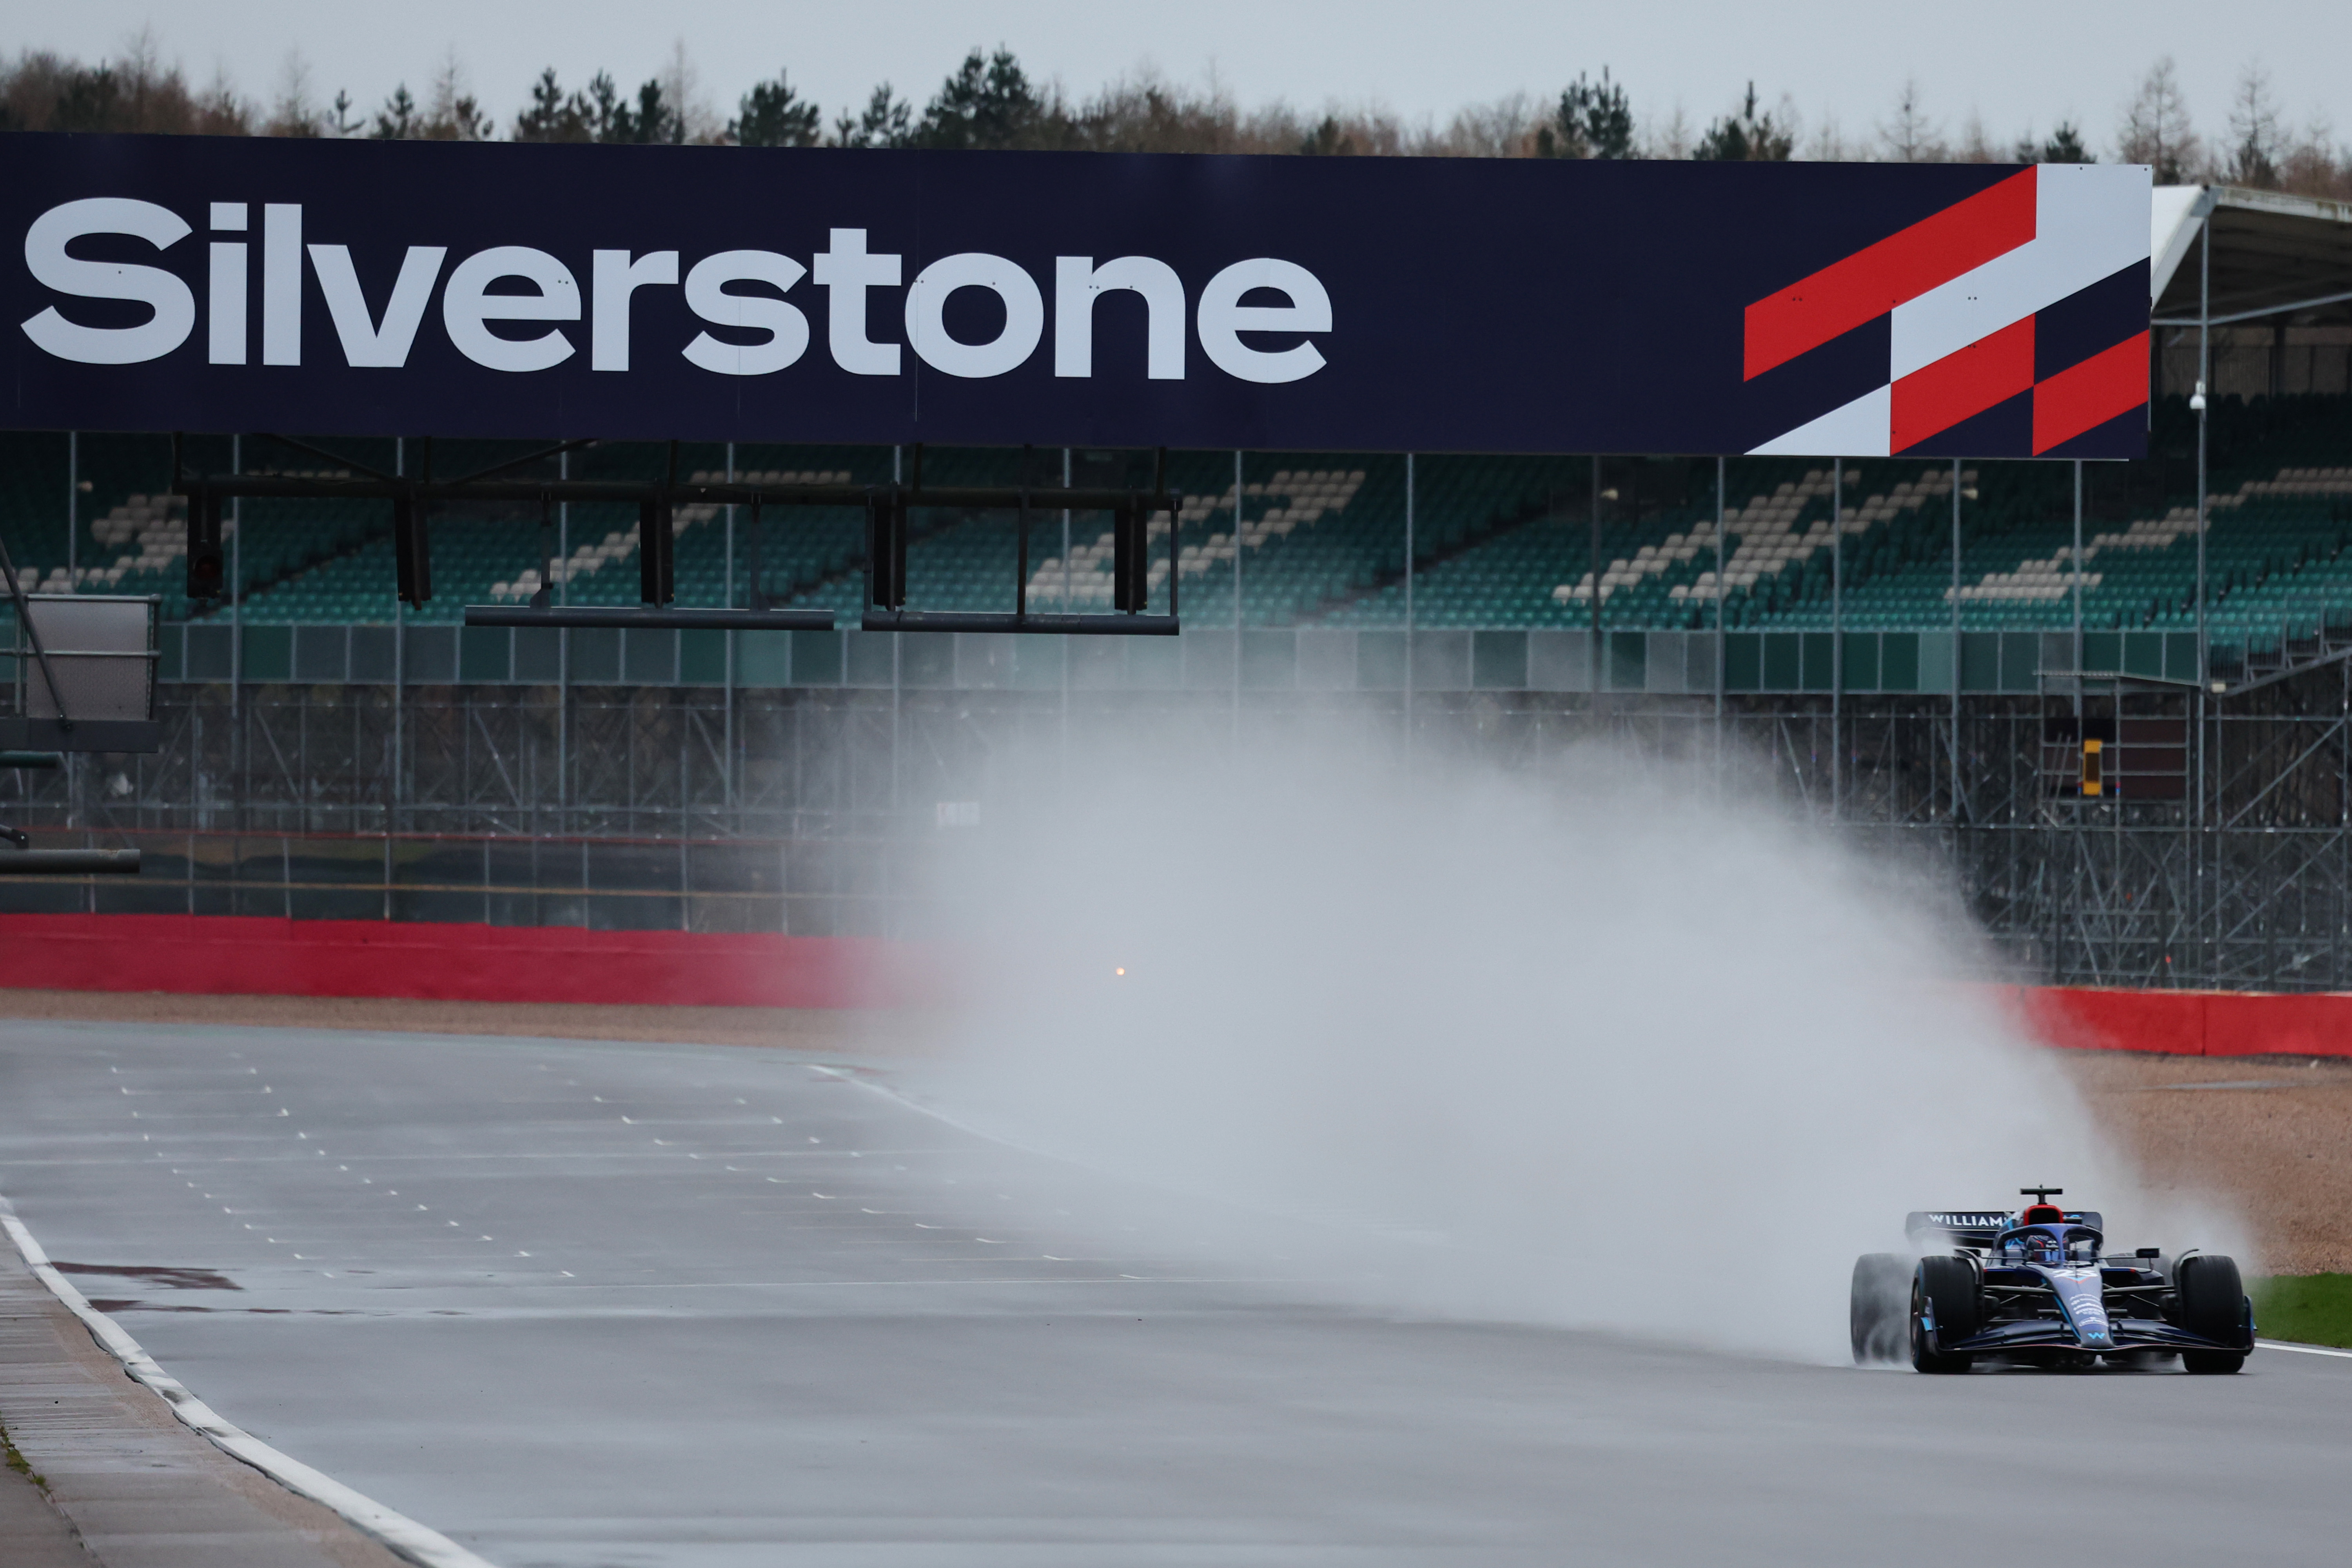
[421, 1546]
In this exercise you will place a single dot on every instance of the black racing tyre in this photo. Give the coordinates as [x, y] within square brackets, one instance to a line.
[1950, 1284]
[1882, 1291]
[2212, 1306]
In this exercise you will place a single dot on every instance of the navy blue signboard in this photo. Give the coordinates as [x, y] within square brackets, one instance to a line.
[202, 283]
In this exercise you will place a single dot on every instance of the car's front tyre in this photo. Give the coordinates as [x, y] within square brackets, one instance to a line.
[2212, 1306]
[1947, 1286]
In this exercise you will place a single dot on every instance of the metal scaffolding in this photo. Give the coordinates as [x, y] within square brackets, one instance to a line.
[820, 811]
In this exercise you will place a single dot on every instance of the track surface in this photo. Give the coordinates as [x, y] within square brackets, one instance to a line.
[600, 1305]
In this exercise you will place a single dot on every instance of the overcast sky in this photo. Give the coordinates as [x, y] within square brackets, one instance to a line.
[2015, 65]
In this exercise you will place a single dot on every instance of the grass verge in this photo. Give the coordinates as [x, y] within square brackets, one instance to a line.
[2310, 1309]
[16, 1462]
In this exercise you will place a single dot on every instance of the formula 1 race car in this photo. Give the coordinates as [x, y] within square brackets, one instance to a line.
[2033, 1288]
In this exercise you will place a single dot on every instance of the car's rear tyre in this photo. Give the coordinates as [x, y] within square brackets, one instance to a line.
[1881, 1290]
[1949, 1286]
[2212, 1306]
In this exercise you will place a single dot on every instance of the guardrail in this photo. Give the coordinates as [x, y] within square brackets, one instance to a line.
[201, 955]
[1304, 658]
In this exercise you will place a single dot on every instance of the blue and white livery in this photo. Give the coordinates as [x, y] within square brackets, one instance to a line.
[2037, 1287]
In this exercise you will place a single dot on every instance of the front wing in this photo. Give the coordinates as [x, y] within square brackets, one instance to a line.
[2129, 1333]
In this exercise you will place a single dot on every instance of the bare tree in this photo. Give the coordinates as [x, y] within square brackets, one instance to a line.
[2255, 139]
[218, 110]
[1672, 137]
[453, 114]
[293, 112]
[2313, 165]
[154, 97]
[681, 86]
[2157, 130]
[1908, 135]
[135, 92]
[1146, 113]
[1503, 129]
[1368, 132]
[1975, 144]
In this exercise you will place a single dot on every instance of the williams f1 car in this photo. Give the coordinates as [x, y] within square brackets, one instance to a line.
[2036, 1287]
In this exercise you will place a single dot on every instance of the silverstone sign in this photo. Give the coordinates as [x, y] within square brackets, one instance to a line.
[198, 283]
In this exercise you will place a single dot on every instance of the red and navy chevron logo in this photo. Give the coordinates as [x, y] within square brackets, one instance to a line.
[2015, 324]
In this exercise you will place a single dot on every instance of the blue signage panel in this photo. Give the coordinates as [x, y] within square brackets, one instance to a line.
[203, 284]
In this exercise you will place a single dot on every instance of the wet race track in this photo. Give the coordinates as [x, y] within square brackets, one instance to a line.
[590, 1305]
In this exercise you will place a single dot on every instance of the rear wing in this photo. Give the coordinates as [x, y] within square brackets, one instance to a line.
[1975, 1228]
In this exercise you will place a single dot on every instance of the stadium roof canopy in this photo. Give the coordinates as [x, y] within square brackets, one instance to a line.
[2277, 259]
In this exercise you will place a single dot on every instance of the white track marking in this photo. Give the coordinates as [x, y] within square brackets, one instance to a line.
[2302, 1350]
[412, 1540]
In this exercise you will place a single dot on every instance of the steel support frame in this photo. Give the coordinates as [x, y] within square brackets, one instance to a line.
[655, 806]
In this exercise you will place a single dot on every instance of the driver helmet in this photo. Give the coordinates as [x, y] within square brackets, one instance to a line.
[2042, 1247]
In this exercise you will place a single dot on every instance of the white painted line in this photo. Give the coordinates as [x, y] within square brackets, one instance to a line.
[2302, 1350]
[412, 1540]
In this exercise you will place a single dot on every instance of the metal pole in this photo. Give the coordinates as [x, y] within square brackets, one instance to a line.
[235, 572]
[236, 640]
[1410, 474]
[73, 585]
[399, 674]
[2080, 855]
[727, 713]
[1956, 640]
[1593, 558]
[563, 653]
[73, 511]
[2204, 651]
[2078, 602]
[1722, 560]
[897, 642]
[1837, 636]
[1067, 607]
[1237, 588]
[2204, 370]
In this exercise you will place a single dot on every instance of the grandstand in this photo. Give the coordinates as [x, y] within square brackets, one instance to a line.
[1499, 543]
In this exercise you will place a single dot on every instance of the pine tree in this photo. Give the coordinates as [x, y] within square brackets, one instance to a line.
[1595, 120]
[1747, 136]
[887, 121]
[397, 119]
[653, 121]
[605, 110]
[772, 115]
[553, 115]
[1328, 140]
[987, 103]
[2065, 146]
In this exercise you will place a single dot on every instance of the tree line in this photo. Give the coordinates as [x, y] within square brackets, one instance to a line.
[991, 101]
